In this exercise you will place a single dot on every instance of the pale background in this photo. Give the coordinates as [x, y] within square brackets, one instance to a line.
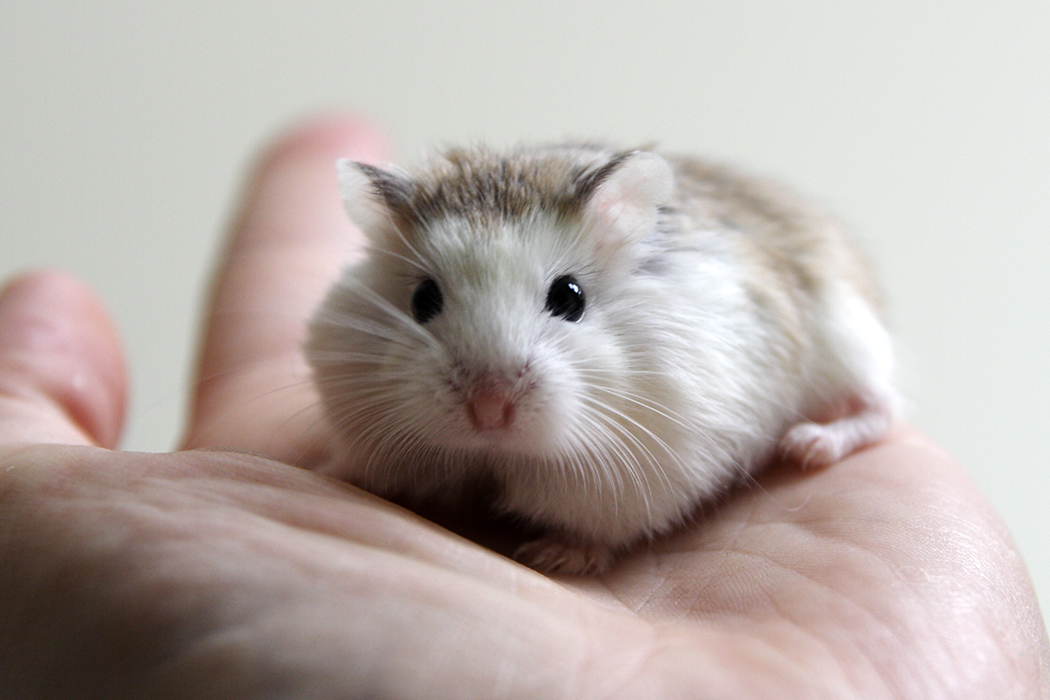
[125, 128]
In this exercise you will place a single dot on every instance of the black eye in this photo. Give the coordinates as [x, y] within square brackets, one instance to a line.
[565, 299]
[427, 301]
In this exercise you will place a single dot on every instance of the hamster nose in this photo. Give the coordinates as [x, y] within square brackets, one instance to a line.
[489, 405]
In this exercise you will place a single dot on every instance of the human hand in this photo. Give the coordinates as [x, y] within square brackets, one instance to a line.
[211, 572]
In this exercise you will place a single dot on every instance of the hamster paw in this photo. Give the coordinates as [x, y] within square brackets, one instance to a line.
[815, 445]
[553, 554]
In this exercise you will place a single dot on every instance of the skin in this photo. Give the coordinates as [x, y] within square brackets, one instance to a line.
[225, 570]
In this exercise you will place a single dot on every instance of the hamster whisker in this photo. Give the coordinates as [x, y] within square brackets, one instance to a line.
[338, 357]
[398, 256]
[403, 320]
[659, 467]
[592, 451]
[585, 466]
[607, 408]
[599, 446]
[674, 417]
[633, 465]
[646, 403]
[383, 420]
[392, 222]
[618, 372]
[369, 327]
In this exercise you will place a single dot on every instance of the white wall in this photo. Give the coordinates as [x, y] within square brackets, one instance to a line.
[126, 126]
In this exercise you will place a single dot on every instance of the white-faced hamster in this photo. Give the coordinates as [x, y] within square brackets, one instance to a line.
[612, 337]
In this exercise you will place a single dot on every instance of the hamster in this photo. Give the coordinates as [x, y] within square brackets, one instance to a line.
[611, 337]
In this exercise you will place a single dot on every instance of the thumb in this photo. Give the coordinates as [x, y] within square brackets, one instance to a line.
[62, 376]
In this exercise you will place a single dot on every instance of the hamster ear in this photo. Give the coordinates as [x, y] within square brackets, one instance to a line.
[370, 194]
[621, 198]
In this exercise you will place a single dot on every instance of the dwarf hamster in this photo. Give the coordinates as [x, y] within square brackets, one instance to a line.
[613, 337]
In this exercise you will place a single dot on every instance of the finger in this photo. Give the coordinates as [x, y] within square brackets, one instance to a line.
[288, 244]
[62, 377]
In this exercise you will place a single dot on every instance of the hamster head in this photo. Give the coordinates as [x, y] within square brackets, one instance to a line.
[480, 332]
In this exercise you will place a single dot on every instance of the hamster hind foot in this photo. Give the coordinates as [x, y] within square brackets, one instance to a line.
[818, 445]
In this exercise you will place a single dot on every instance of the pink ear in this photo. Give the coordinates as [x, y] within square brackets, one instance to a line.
[371, 194]
[622, 209]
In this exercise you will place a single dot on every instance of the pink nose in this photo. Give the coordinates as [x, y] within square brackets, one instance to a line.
[489, 405]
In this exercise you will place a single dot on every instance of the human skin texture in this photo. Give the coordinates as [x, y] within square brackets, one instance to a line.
[228, 569]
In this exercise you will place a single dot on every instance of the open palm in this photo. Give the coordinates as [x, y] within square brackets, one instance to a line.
[227, 570]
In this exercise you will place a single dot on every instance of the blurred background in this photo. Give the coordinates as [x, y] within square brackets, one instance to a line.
[126, 128]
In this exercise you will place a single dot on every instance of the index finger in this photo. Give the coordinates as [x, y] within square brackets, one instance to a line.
[289, 242]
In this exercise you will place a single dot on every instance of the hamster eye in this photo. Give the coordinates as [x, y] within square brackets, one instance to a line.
[427, 301]
[565, 299]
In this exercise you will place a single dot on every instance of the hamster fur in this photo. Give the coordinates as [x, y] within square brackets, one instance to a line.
[611, 337]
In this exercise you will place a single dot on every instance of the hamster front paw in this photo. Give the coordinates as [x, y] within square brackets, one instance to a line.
[556, 554]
